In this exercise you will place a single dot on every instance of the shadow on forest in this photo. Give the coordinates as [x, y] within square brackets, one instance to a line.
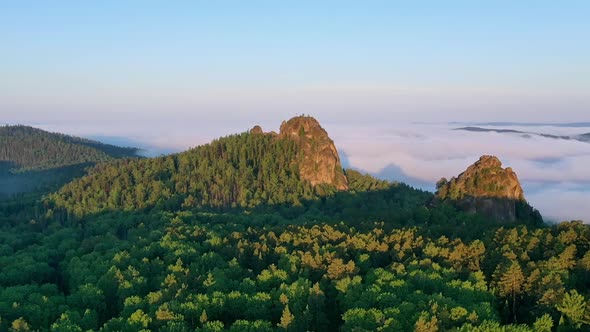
[395, 173]
[396, 206]
[503, 210]
[42, 181]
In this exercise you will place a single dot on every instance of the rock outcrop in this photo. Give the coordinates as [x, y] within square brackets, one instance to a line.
[256, 130]
[319, 162]
[485, 188]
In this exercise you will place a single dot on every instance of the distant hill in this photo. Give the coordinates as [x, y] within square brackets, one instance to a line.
[581, 138]
[27, 148]
[32, 159]
[525, 124]
[486, 130]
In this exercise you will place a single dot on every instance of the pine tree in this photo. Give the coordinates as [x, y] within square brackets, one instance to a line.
[203, 319]
[286, 318]
[543, 323]
[426, 324]
[20, 325]
[511, 284]
[573, 307]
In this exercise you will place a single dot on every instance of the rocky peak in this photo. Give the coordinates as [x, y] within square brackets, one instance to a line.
[486, 188]
[487, 161]
[319, 162]
[256, 130]
[302, 126]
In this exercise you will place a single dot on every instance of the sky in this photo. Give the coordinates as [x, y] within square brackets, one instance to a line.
[105, 61]
[168, 75]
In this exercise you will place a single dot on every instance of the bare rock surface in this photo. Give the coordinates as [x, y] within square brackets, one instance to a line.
[484, 187]
[319, 162]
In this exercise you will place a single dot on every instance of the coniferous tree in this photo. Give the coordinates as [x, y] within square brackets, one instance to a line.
[286, 318]
[511, 284]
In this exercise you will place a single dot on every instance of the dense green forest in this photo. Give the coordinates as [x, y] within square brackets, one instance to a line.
[12, 184]
[236, 171]
[28, 148]
[33, 160]
[226, 237]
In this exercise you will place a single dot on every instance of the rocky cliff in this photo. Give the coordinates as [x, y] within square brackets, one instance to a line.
[319, 162]
[485, 188]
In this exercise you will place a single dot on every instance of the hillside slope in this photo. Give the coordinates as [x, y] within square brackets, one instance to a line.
[36, 161]
[26, 148]
[243, 170]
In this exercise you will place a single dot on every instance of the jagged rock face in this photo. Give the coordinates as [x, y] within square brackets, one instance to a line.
[485, 188]
[320, 162]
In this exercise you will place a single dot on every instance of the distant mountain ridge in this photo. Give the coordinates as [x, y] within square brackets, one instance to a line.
[523, 124]
[582, 137]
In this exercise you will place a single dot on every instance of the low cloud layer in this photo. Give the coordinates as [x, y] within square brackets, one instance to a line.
[554, 173]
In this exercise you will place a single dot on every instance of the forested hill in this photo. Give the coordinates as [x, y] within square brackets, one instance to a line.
[26, 148]
[247, 170]
[243, 170]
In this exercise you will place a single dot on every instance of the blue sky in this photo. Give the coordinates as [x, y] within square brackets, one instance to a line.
[93, 61]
